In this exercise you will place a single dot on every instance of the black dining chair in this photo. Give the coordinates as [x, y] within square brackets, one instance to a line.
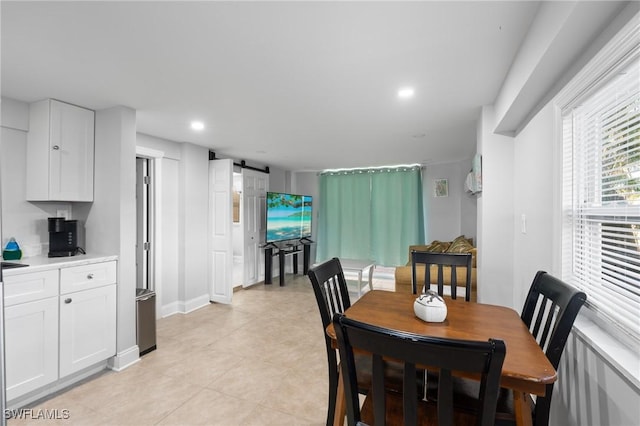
[549, 312]
[444, 262]
[381, 407]
[330, 289]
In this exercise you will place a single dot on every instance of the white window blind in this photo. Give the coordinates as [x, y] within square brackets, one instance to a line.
[601, 198]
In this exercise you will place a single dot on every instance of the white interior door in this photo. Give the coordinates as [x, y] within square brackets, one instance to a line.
[254, 192]
[220, 230]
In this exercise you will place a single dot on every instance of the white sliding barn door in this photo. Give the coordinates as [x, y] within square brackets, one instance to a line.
[220, 231]
[254, 194]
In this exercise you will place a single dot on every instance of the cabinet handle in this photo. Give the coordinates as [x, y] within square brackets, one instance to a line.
[56, 147]
[90, 276]
[67, 301]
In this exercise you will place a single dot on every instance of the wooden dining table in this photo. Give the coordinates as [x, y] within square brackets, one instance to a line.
[526, 369]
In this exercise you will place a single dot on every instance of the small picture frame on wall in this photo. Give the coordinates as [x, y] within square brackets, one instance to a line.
[441, 188]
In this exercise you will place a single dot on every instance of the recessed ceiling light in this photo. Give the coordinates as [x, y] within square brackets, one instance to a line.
[406, 93]
[197, 125]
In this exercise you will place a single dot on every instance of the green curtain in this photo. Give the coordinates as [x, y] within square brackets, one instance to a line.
[397, 219]
[370, 214]
[345, 216]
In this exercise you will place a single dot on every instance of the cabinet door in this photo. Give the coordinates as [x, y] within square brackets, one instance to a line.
[71, 153]
[31, 332]
[87, 328]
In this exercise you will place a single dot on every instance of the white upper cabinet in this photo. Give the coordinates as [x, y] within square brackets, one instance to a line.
[60, 152]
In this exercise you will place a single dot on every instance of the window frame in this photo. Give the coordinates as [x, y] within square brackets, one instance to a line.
[622, 51]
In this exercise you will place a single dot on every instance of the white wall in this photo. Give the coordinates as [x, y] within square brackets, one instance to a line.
[448, 217]
[278, 181]
[193, 213]
[111, 218]
[495, 215]
[534, 204]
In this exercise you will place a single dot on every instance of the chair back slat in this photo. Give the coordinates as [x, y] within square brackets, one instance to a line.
[451, 260]
[556, 305]
[445, 355]
[454, 279]
[335, 302]
[546, 333]
[542, 306]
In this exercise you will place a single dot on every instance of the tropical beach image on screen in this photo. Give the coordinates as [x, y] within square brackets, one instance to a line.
[288, 216]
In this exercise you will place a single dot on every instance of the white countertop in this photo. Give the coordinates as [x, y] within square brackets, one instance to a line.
[43, 263]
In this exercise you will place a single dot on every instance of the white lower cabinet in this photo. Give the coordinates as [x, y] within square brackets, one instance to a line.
[31, 342]
[57, 322]
[87, 328]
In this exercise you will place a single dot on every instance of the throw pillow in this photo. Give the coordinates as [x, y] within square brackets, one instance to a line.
[437, 247]
[460, 245]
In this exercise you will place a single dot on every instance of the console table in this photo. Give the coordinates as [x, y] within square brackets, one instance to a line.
[282, 250]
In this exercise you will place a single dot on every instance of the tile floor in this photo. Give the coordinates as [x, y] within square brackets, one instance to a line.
[259, 361]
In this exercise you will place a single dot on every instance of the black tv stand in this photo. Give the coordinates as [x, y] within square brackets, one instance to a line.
[282, 250]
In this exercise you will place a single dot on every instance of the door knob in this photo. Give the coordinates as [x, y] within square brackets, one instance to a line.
[67, 301]
[56, 147]
[90, 276]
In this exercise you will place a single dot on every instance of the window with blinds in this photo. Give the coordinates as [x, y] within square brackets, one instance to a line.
[601, 165]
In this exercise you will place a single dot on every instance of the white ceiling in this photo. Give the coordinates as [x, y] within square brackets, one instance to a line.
[293, 85]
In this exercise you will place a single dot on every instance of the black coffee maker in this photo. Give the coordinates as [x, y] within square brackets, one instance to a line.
[63, 237]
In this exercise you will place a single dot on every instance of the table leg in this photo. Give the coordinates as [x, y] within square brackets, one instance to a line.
[281, 265]
[522, 409]
[371, 276]
[341, 404]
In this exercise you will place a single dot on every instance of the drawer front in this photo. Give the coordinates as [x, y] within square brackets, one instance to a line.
[78, 278]
[29, 287]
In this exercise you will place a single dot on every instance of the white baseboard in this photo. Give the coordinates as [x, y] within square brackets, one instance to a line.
[180, 307]
[196, 303]
[170, 309]
[124, 359]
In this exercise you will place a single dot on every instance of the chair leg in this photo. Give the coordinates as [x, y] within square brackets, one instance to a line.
[541, 411]
[341, 403]
[333, 391]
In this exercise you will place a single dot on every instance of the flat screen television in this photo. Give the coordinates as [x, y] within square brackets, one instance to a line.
[288, 217]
